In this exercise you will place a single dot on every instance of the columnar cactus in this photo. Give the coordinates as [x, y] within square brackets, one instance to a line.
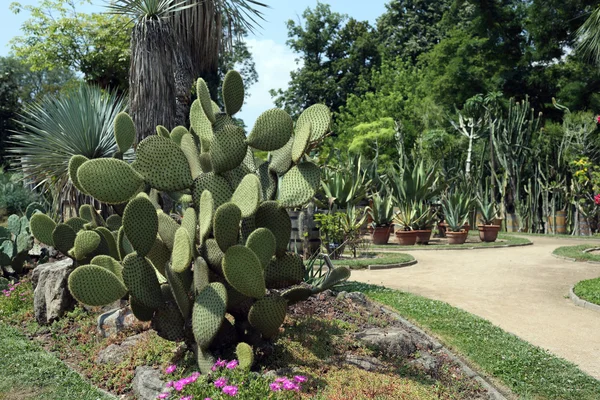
[221, 276]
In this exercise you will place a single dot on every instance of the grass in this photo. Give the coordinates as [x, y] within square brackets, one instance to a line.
[529, 371]
[595, 236]
[576, 252]
[379, 259]
[29, 372]
[588, 290]
[508, 240]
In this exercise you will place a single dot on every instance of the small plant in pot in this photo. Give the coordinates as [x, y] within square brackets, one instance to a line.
[406, 219]
[488, 231]
[382, 214]
[426, 219]
[456, 211]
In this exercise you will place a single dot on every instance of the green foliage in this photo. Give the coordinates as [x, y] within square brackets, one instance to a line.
[456, 208]
[15, 243]
[14, 195]
[382, 210]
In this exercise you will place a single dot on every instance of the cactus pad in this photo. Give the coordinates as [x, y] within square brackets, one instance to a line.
[205, 162]
[205, 215]
[190, 224]
[245, 355]
[276, 219]
[13, 224]
[319, 117]
[205, 361]
[202, 126]
[114, 222]
[216, 185]
[284, 271]
[140, 278]
[163, 164]
[221, 121]
[267, 315]
[74, 163]
[76, 223]
[228, 148]
[243, 271]
[169, 323]
[334, 276]
[123, 244]
[178, 133]
[140, 311]
[166, 229]
[33, 208]
[262, 242]
[85, 243]
[41, 227]
[140, 224]
[180, 290]
[226, 225]
[86, 212]
[162, 131]
[268, 182]
[272, 130]
[109, 263]
[124, 131]
[95, 286]
[296, 294]
[299, 185]
[188, 145]
[301, 141]
[109, 180]
[247, 195]
[204, 98]
[233, 92]
[281, 159]
[63, 238]
[182, 251]
[159, 255]
[213, 255]
[208, 313]
[201, 279]
[108, 240]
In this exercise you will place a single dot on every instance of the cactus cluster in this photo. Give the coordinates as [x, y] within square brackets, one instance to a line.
[16, 240]
[219, 275]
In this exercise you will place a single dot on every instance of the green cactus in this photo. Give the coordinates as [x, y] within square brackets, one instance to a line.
[15, 243]
[32, 208]
[212, 270]
[74, 163]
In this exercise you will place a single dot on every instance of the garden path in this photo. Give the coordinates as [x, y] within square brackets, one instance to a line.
[523, 290]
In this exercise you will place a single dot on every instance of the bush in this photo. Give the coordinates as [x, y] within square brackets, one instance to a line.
[14, 196]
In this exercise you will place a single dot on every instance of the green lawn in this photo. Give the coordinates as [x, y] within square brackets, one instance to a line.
[529, 371]
[507, 240]
[589, 290]
[576, 252]
[29, 372]
[386, 258]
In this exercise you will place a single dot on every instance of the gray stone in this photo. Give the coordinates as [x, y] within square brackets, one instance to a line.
[51, 296]
[364, 362]
[427, 362]
[115, 321]
[116, 353]
[392, 341]
[147, 384]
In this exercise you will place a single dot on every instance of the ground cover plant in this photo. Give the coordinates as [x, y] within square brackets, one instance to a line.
[374, 258]
[472, 242]
[527, 370]
[588, 290]
[578, 252]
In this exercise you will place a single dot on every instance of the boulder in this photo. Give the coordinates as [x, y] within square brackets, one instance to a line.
[115, 321]
[392, 341]
[147, 383]
[363, 362]
[116, 353]
[51, 296]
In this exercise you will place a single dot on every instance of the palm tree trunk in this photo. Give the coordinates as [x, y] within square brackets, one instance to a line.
[152, 97]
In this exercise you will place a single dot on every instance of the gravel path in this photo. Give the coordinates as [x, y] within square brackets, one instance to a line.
[524, 290]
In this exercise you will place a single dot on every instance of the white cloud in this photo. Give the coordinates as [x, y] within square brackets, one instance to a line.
[274, 62]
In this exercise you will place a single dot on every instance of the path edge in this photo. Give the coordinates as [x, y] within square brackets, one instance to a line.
[582, 303]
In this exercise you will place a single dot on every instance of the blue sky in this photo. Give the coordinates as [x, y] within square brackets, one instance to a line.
[274, 60]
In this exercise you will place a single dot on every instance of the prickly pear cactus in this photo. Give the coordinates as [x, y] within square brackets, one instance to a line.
[16, 240]
[224, 258]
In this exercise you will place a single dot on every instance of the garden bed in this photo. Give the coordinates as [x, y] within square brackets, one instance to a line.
[376, 261]
[588, 290]
[473, 242]
[581, 252]
[318, 340]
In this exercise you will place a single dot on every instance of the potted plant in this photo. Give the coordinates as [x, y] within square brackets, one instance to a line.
[382, 215]
[488, 231]
[456, 211]
[426, 219]
[405, 220]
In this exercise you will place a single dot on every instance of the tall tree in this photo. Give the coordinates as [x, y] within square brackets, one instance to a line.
[57, 36]
[9, 105]
[336, 52]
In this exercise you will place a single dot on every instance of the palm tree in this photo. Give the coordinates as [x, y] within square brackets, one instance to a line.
[589, 36]
[58, 127]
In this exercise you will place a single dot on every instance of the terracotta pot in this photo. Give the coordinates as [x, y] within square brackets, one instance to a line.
[488, 233]
[457, 237]
[423, 236]
[466, 227]
[406, 238]
[381, 234]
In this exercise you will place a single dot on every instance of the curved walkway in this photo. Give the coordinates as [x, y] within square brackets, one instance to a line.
[523, 290]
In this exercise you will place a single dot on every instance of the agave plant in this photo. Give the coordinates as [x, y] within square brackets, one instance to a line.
[382, 211]
[59, 127]
[456, 208]
[426, 217]
[416, 185]
[345, 187]
[407, 218]
[488, 210]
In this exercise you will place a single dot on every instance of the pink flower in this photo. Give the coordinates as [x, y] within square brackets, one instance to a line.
[275, 387]
[170, 369]
[280, 380]
[179, 385]
[186, 398]
[598, 119]
[288, 385]
[170, 384]
[163, 395]
[220, 363]
[230, 390]
[194, 377]
[597, 199]
[232, 364]
[219, 383]
[299, 378]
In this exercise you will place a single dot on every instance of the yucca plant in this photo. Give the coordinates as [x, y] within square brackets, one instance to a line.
[61, 126]
[456, 208]
[382, 211]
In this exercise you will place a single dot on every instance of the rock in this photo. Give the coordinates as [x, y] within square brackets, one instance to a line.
[391, 341]
[115, 321]
[51, 296]
[427, 362]
[116, 353]
[364, 362]
[147, 383]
